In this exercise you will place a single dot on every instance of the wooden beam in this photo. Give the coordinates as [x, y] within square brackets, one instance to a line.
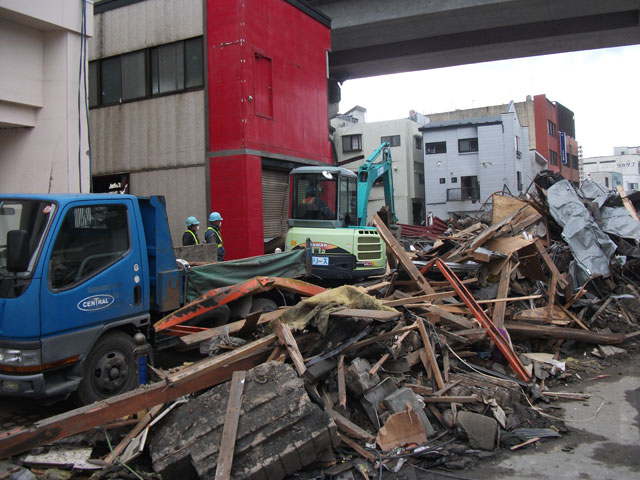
[286, 339]
[517, 329]
[452, 399]
[230, 428]
[342, 385]
[420, 298]
[379, 315]
[627, 203]
[562, 283]
[431, 357]
[204, 374]
[135, 431]
[401, 255]
[503, 291]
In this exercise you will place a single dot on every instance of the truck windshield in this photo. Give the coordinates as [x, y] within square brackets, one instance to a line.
[314, 196]
[33, 216]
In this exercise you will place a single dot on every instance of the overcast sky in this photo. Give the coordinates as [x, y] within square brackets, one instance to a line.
[601, 87]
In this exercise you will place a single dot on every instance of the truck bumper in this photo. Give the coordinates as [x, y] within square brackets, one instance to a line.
[35, 386]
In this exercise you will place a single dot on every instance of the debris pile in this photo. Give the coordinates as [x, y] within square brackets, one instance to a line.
[448, 358]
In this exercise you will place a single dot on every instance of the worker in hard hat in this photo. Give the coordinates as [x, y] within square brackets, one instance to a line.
[213, 235]
[190, 236]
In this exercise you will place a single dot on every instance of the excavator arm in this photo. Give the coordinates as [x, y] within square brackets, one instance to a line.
[377, 165]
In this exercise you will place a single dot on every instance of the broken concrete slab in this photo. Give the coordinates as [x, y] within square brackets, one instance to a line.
[359, 380]
[404, 398]
[279, 431]
[481, 431]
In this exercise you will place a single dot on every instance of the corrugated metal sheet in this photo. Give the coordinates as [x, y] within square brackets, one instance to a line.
[145, 24]
[184, 190]
[160, 132]
[275, 202]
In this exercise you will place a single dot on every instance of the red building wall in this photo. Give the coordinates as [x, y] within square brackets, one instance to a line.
[545, 111]
[267, 79]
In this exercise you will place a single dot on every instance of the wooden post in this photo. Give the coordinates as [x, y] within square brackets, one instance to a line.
[230, 429]
[286, 338]
[431, 357]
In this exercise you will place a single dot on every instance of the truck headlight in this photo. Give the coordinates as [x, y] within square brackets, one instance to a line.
[19, 358]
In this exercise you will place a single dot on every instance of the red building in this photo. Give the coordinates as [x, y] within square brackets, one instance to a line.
[267, 74]
[210, 103]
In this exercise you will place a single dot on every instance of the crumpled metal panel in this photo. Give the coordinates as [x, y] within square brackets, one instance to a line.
[589, 245]
[615, 220]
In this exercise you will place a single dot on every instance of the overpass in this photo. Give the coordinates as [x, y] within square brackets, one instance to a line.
[377, 37]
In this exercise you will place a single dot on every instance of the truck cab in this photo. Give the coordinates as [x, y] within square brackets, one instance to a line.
[79, 276]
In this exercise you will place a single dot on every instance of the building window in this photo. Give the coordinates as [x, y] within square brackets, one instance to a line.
[393, 140]
[466, 145]
[551, 127]
[633, 186]
[606, 182]
[553, 157]
[421, 178]
[161, 70]
[418, 143]
[454, 179]
[443, 181]
[518, 152]
[519, 180]
[352, 143]
[436, 147]
[263, 86]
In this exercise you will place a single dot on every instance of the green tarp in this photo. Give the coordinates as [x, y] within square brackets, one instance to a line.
[206, 277]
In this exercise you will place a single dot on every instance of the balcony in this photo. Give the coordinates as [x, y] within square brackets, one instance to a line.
[462, 194]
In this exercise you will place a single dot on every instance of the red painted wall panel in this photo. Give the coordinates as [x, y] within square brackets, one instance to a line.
[544, 110]
[257, 48]
[236, 192]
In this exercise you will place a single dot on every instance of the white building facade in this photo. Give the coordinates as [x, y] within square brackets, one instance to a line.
[625, 162]
[354, 137]
[468, 160]
[44, 145]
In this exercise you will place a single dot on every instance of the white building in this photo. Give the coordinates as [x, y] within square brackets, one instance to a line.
[43, 111]
[468, 160]
[624, 161]
[353, 137]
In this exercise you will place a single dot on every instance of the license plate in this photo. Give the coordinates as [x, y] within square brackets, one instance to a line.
[320, 261]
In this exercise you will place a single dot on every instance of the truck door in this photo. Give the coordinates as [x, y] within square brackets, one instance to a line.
[93, 270]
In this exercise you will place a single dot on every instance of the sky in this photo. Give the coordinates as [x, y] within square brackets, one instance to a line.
[601, 87]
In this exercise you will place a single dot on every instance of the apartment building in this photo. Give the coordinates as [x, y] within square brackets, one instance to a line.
[621, 168]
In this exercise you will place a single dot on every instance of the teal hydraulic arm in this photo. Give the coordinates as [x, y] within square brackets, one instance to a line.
[377, 165]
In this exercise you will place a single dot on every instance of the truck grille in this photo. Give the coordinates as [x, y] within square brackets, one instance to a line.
[369, 245]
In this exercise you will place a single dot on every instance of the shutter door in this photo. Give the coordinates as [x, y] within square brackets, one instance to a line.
[275, 202]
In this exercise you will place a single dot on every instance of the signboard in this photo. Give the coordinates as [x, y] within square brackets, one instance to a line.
[563, 148]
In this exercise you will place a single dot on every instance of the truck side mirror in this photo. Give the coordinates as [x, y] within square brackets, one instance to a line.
[17, 251]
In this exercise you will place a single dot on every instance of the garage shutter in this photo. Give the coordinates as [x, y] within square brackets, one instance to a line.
[275, 202]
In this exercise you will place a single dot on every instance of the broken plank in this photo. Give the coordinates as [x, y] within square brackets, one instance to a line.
[232, 328]
[452, 399]
[627, 203]
[385, 357]
[378, 338]
[286, 339]
[503, 290]
[356, 447]
[402, 256]
[380, 315]
[518, 329]
[562, 283]
[431, 357]
[421, 298]
[342, 387]
[135, 431]
[230, 429]
[348, 427]
[204, 374]
[450, 318]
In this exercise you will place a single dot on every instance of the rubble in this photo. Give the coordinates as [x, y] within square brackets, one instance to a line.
[453, 352]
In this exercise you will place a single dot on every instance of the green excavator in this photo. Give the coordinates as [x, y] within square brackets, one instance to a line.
[328, 206]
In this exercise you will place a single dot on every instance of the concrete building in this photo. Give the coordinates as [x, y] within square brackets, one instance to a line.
[551, 125]
[623, 167]
[43, 116]
[467, 160]
[354, 137]
[210, 103]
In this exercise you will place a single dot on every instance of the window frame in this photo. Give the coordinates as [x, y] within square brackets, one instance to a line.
[472, 141]
[435, 146]
[391, 140]
[352, 137]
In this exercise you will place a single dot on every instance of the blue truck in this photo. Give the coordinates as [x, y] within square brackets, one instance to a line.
[80, 275]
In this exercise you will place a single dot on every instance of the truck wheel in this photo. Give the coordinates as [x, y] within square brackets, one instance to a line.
[110, 369]
[264, 305]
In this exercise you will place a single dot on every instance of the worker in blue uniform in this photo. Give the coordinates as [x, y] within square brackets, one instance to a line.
[213, 235]
[190, 236]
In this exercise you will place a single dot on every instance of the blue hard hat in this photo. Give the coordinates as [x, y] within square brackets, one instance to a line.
[192, 221]
[214, 217]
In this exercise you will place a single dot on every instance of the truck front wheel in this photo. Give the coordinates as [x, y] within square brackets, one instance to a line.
[110, 369]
